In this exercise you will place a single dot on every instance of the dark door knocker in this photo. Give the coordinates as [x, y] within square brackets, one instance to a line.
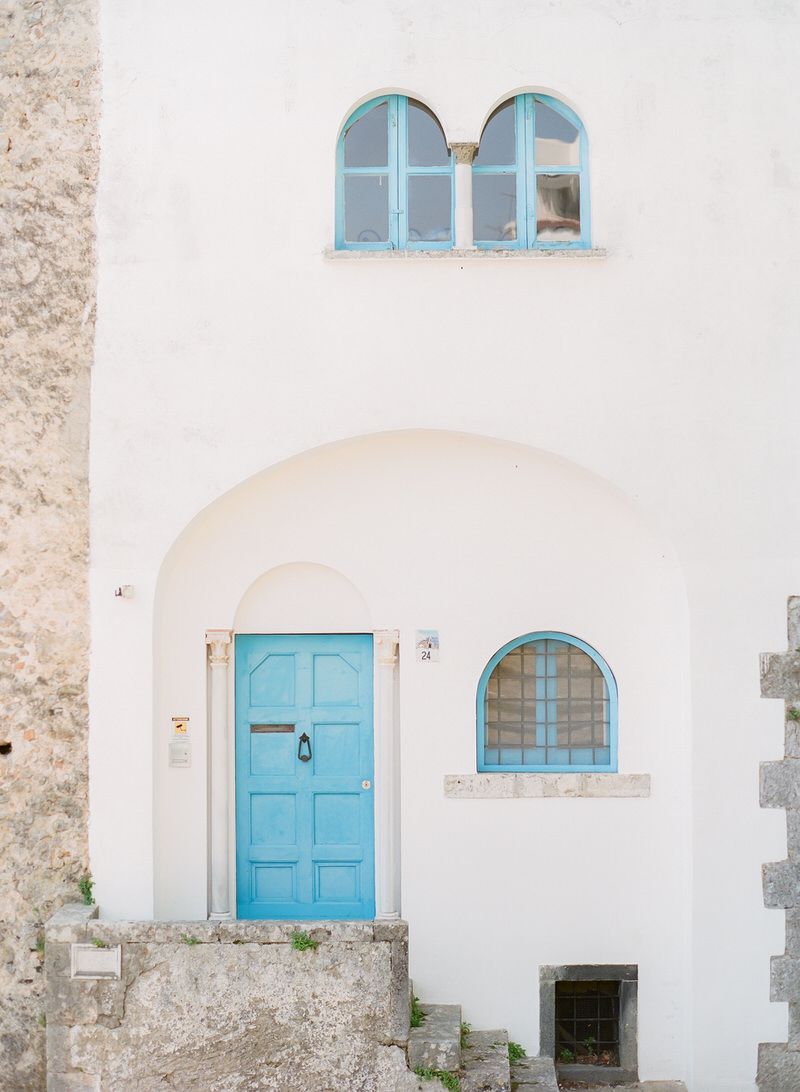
[305, 741]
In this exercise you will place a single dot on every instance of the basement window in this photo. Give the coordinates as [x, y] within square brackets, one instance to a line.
[588, 1022]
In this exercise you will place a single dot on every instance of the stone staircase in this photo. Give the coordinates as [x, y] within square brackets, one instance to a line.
[477, 1059]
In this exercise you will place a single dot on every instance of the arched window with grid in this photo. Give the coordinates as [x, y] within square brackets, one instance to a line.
[394, 179]
[547, 702]
[530, 178]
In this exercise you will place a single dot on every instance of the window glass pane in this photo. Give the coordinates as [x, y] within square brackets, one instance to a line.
[426, 144]
[366, 208]
[558, 207]
[429, 200]
[562, 728]
[494, 203]
[498, 145]
[366, 142]
[557, 140]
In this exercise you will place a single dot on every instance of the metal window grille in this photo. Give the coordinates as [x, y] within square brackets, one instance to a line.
[587, 1021]
[547, 703]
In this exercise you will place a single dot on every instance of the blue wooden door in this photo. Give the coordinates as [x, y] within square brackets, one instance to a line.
[304, 772]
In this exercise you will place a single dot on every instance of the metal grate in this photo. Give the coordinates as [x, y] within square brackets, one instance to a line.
[587, 1022]
[547, 703]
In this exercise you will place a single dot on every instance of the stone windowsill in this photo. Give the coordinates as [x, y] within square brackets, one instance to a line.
[464, 255]
[531, 786]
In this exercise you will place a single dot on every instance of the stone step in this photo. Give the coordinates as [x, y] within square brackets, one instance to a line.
[436, 1044]
[534, 1073]
[484, 1060]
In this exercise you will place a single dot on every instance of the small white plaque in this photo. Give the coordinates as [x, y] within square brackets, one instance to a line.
[180, 753]
[426, 642]
[89, 961]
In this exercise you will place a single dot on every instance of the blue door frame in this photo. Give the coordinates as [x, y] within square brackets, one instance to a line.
[304, 777]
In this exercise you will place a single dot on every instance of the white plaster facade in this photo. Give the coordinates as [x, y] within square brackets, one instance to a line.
[285, 442]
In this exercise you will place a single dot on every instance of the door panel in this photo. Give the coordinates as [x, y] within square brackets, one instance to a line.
[304, 829]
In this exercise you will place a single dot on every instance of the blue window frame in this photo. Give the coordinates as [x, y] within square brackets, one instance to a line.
[394, 179]
[547, 702]
[530, 178]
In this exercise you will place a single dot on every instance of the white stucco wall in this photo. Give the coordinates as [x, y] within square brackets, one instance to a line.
[226, 344]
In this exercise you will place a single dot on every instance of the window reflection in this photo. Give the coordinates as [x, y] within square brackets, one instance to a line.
[557, 140]
[558, 207]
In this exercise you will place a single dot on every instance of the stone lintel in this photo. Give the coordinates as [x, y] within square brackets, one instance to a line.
[780, 784]
[512, 786]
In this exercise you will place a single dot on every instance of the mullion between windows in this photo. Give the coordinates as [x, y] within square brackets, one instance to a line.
[398, 197]
[529, 169]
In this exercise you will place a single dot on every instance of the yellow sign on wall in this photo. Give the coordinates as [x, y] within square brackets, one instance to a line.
[180, 727]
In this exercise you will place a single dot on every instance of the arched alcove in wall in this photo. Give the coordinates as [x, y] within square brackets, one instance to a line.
[482, 540]
[302, 597]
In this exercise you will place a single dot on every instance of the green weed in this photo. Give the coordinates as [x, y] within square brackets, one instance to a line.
[449, 1080]
[191, 941]
[302, 942]
[417, 1015]
[515, 1052]
[85, 886]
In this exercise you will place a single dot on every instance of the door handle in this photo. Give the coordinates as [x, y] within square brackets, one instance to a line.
[305, 741]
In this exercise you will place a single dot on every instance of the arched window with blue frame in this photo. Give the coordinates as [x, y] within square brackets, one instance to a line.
[547, 702]
[530, 178]
[394, 179]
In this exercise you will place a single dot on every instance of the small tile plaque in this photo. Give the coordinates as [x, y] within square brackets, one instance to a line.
[180, 753]
[89, 961]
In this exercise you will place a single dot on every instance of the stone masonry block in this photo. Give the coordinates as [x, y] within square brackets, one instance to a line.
[68, 925]
[793, 627]
[793, 835]
[391, 930]
[778, 1068]
[780, 675]
[784, 978]
[781, 885]
[331, 1017]
[399, 1009]
[793, 932]
[780, 784]
[794, 1025]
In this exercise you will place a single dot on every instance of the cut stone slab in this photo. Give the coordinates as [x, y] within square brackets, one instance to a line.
[437, 1043]
[534, 1073]
[485, 1062]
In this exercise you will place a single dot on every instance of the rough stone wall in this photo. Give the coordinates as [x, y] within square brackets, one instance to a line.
[48, 170]
[779, 1063]
[230, 1005]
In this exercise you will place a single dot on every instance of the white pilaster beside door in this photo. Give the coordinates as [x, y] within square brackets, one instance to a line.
[386, 777]
[219, 643]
